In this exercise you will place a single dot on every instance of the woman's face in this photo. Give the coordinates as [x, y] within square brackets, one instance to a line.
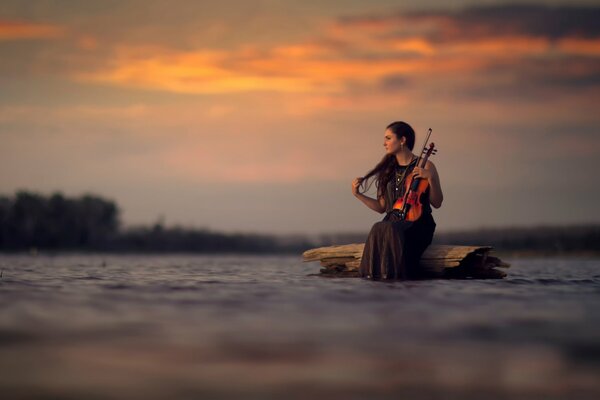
[391, 142]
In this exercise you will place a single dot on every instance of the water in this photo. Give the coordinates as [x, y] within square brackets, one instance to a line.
[187, 327]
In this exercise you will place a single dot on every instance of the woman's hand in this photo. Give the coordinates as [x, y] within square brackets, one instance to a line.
[377, 204]
[355, 185]
[422, 173]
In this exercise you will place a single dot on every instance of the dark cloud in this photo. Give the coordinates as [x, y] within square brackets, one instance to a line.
[534, 79]
[496, 21]
[572, 73]
[533, 20]
[551, 70]
[563, 72]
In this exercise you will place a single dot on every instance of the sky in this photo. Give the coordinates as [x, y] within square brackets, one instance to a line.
[255, 116]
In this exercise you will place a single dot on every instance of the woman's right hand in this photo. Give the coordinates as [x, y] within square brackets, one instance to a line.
[355, 185]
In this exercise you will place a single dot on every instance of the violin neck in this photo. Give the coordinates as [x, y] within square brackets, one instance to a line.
[422, 161]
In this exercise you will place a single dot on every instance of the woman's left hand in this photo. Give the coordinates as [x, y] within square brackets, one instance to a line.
[422, 173]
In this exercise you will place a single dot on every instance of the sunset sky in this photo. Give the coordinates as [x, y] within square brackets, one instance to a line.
[255, 116]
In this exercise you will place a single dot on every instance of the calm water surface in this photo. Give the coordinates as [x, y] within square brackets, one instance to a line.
[181, 326]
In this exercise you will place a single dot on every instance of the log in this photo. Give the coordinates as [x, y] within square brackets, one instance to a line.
[438, 261]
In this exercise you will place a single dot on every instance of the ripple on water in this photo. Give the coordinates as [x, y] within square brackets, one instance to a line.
[264, 312]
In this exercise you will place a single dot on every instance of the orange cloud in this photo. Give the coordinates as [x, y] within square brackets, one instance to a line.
[293, 69]
[348, 52]
[87, 42]
[504, 47]
[190, 72]
[413, 45]
[16, 30]
[580, 46]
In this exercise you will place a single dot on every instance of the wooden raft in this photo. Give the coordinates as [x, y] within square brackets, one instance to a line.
[438, 261]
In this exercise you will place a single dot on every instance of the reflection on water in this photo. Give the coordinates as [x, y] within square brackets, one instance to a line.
[155, 327]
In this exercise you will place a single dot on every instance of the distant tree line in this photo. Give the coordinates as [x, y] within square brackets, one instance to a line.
[31, 222]
[535, 239]
[158, 239]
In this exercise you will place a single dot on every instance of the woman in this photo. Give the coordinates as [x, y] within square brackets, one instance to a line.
[394, 246]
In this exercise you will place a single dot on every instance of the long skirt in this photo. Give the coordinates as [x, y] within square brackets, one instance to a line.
[394, 247]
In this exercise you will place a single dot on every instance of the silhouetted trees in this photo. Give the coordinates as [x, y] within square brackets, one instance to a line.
[164, 240]
[30, 220]
[91, 223]
[538, 239]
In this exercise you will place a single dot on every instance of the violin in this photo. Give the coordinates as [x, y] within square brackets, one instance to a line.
[409, 206]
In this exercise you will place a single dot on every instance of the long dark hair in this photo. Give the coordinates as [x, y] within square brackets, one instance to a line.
[386, 168]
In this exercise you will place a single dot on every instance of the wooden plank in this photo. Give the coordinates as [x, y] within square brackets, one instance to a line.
[347, 250]
[435, 265]
[336, 260]
[344, 260]
[355, 250]
[452, 252]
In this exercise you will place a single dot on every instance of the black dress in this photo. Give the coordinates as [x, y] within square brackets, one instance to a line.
[394, 247]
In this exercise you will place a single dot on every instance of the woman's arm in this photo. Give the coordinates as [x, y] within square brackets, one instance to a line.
[377, 205]
[436, 197]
